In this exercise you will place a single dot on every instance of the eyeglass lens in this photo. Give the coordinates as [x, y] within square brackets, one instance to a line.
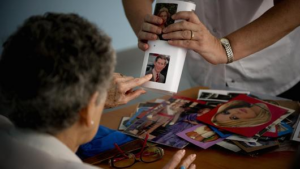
[150, 154]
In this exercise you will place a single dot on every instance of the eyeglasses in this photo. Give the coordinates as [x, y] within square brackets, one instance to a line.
[147, 154]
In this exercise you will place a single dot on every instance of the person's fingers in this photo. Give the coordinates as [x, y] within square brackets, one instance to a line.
[175, 160]
[136, 82]
[189, 44]
[143, 46]
[134, 94]
[180, 26]
[188, 161]
[186, 15]
[146, 36]
[192, 166]
[153, 19]
[181, 35]
[123, 79]
[147, 27]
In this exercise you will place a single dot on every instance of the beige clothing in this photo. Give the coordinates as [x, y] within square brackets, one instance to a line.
[31, 150]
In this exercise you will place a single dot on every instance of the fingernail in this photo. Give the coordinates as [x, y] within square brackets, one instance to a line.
[193, 155]
[159, 31]
[182, 152]
[149, 76]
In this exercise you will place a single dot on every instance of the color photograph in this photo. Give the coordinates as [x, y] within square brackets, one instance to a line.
[165, 11]
[158, 66]
[164, 121]
[244, 115]
[200, 135]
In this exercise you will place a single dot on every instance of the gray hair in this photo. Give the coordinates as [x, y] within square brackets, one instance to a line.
[50, 68]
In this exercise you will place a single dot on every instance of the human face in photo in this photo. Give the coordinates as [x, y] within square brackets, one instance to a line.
[164, 16]
[159, 65]
[237, 114]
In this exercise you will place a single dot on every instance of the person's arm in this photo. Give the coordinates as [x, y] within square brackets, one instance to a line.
[135, 11]
[273, 25]
[143, 23]
[277, 22]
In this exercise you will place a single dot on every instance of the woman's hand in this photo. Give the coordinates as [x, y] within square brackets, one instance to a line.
[149, 31]
[192, 34]
[186, 163]
[121, 89]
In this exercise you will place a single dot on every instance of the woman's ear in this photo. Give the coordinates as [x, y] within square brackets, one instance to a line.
[87, 114]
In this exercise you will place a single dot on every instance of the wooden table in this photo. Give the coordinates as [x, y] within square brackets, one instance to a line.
[214, 157]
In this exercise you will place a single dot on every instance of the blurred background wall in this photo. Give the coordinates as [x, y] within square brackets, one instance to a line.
[106, 14]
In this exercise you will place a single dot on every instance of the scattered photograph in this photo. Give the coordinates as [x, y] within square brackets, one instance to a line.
[283, 129]
[245, 116]
[165, 11]
[222, 134]
[200, 135]
[158, 66]
[296, 134]
[229, 146]
[219, 95]
[255, 146]
[141, 110]
[122, 125]
[164, 121]
[241, 138]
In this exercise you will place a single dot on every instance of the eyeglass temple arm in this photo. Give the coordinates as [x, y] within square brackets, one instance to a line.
[144, 143]
[120, 150]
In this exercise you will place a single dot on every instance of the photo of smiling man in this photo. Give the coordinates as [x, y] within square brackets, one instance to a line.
[158, 67]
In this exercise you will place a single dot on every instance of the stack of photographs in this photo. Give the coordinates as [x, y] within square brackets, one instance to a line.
[237, 122]
[164, 121]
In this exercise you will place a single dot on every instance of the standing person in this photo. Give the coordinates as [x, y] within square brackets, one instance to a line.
[260, 41]
[159, 64]
[55, 73]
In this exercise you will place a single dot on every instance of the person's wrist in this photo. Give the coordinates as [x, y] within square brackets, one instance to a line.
[228, 50]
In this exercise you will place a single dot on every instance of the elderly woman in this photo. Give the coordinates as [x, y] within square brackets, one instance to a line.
[55, 73]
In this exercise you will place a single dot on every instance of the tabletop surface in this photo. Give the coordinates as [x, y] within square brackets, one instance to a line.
[214, 157]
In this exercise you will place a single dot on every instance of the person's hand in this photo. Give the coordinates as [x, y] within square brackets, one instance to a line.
[121, 89]
[149, 31]
[192, 34]
[184, 164]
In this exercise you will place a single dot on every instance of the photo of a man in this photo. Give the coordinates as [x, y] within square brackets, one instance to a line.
[157, 67]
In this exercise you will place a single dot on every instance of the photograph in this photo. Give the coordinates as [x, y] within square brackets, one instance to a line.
[164, 121]
[165, 11]
[219, 95]
[223, 134]
[255, 146]
[296, 134]
[122, 125]
[158, 66]
[245, 116]
[141, 109]
[200, 135]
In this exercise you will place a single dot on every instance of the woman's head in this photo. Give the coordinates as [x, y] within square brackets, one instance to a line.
[164, 14]
[57, 63]
[241, 114]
